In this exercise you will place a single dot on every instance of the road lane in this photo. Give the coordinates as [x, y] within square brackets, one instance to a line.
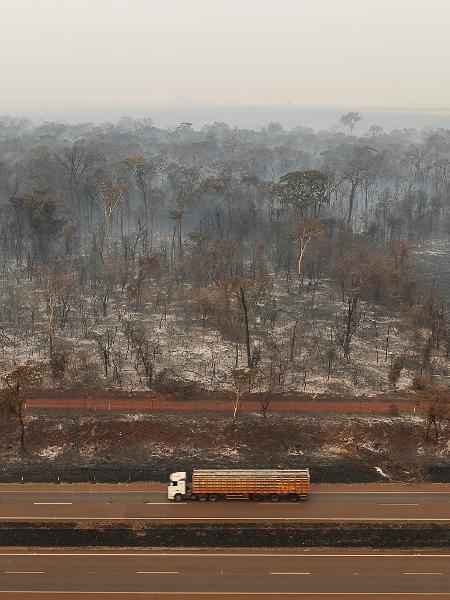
[219, 595]
[213, 572]
[47, 595]
[25, 503]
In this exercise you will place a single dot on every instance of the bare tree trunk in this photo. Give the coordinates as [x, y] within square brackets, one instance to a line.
[265, 401]
[294, 333]
[173, 245]
[247, 332]
[180, 246]
[51, 309]
[432, 421]
[235, 408]
[351, 202]
[301, 252]
[386, 350]
[144, 198]
[23, 448]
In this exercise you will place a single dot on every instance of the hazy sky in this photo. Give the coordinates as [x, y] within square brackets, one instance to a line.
[58, 55]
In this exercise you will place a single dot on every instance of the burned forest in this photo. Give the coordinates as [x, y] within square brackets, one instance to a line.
[176, 260]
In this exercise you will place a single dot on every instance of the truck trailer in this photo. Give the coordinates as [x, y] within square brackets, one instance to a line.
[253, 484]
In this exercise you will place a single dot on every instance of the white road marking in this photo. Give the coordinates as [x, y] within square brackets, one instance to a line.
[281, 573]
[24, 572]
[157, 572]
[52, 503]
[167, 503]
[423, 573]
[245, 518]
[234, 594]
[225, 554]
[396, 504]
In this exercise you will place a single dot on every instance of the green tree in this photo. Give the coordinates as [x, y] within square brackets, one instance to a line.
[144, 172]
[13, 395]
[301, 190]
[109, 196]
[40, 212]
[350, 120]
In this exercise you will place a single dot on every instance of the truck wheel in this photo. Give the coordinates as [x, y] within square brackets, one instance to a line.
[203, 497]
[274, 497]
[178, 497]
[256, 497]
[213, 497]
[293, 498]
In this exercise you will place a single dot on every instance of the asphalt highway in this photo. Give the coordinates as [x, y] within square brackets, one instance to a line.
[71, 502]
[227, 574]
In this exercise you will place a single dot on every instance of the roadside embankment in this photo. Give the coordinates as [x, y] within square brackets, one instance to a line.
[224, 535]
[327, 470]
[124, 448]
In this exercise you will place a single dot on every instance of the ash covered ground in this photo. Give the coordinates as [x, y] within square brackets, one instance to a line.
[337, 448]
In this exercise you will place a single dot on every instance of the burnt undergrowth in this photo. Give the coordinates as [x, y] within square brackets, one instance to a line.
[115, 449]
[224, 535]
[321, 472]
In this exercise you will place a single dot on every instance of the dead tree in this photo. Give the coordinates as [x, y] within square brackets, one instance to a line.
[242, 380]
[105, 345]
[351, 321]
[264, 400]
[242, 297]
[293, 338]
[395, 370]
[432, 422]
[437, 405]
[308, 229]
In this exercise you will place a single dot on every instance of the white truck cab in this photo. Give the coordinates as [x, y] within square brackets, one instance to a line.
[177, 486]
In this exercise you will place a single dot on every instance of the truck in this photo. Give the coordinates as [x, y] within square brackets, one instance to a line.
[253, 484]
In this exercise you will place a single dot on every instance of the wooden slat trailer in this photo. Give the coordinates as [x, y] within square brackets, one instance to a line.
[255, 484]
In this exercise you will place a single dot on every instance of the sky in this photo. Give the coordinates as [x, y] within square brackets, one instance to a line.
[82, 56]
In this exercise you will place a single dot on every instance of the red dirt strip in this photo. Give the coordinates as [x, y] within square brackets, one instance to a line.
[167, 404]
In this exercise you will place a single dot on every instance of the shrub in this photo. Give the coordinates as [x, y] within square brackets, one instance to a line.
[59, 360]
[421, 381]
[394, 411]
[395, 370]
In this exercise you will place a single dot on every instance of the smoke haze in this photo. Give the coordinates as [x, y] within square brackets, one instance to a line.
[79, 59]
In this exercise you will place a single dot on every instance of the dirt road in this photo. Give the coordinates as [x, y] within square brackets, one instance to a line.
[307, 405]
